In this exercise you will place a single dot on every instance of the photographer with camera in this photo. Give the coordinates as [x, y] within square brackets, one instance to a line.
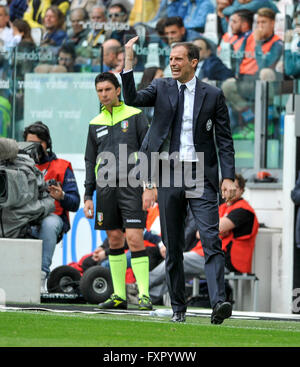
[62, 186]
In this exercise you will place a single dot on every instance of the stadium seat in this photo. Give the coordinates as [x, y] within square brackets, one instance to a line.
[286, 7]
[280, 22]
[238, 279]
[211, 28]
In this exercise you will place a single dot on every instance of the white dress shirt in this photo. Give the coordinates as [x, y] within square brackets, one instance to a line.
[187, 150]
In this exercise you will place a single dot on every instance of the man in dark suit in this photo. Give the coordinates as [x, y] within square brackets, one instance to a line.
[184, 123]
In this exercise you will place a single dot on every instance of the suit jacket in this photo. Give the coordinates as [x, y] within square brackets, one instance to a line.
[211, 125]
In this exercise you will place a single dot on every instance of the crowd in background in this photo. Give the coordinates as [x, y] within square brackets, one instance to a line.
[93, 33]
[239, 41]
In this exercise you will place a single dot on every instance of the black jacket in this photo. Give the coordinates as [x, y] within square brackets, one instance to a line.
[210, 122]
[127, 126]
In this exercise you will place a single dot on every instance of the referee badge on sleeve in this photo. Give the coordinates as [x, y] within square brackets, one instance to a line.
[124, 126]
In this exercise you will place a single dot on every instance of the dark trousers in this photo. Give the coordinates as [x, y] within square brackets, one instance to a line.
[173, 203]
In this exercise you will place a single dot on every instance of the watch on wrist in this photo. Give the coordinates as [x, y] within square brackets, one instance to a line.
[149, 186]
[63, 195]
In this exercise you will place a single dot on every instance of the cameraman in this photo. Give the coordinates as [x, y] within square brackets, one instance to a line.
[62, 187]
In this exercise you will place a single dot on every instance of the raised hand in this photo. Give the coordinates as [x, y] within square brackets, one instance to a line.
[129, 55]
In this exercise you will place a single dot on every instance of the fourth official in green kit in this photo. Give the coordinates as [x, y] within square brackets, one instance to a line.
[118, 205]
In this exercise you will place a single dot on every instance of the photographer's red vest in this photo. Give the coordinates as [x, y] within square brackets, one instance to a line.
[55, 169]
[152, 215]
[241, 247]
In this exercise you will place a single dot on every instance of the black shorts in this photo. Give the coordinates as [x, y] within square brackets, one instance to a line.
[119, 208]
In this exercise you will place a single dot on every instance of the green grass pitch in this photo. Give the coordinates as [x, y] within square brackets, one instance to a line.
[47, 329]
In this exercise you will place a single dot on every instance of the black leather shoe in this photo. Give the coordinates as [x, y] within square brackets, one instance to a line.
[221, 311]
[178, 317]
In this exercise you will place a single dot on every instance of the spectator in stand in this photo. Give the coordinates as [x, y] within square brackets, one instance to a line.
[96, 36]
[65, 62]
[268, 46]
[111, 49]
[257, 54]
[225, 8]
[87, 5]
[238, 230]
[251, 5]
[120, 61]
[78, 19]
[237, 40]
[67, 57]
[36, 11]
[292, 49]
[175, 31]
[54, 22]
[196, 13]
[222, 19]
[193, 13]
[23, 40]
[24, 64]
[119, 28]
[210, 67]
[6, 34]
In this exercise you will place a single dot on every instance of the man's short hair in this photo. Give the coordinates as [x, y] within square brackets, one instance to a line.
[246, 16]
[267, 12]
[174, 21]
[241, 181]
[109, 77]
[84, 13]
[207, 43]
[122, 7]
[68, 48]
[193, 50]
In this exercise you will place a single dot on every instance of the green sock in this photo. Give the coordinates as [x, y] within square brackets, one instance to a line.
[140, 268]
[118, 266]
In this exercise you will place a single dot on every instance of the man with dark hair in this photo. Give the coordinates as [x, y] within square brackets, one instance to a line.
[256, 54]
[172, 30]
[118, 205]
[190, 124]
[118, 20]
[66, 57]
[175, 31]
[210, 66]
[63, 188]
[233, 44]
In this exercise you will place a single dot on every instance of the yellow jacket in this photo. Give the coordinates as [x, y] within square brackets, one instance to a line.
[36, 10]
